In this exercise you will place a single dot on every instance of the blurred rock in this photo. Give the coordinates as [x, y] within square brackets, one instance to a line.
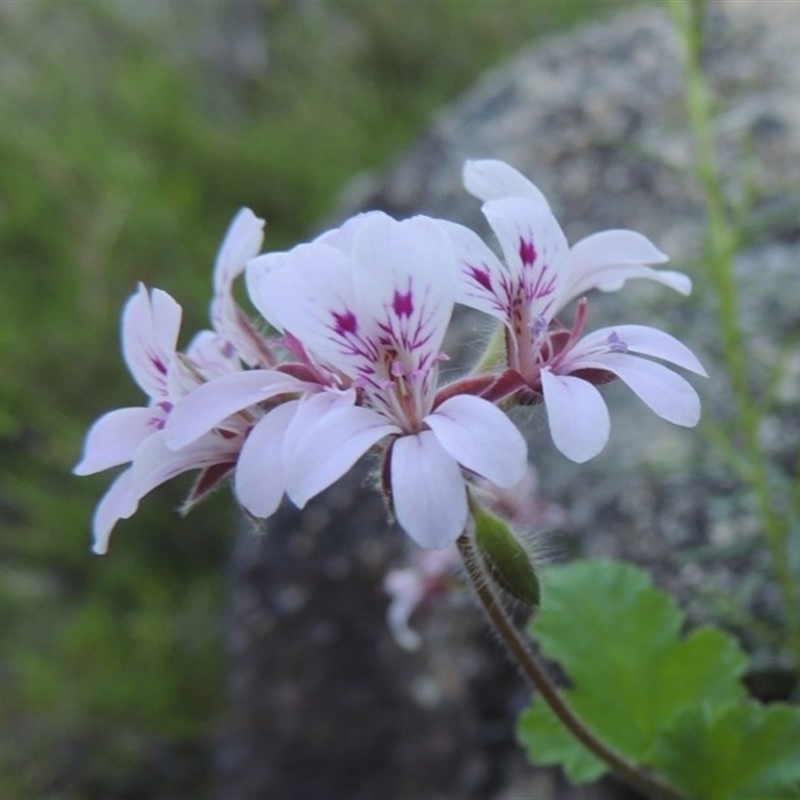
[324, 704]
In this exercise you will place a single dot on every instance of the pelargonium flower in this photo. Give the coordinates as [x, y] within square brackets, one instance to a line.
[372, 305]
[539, 277]
[150, 327]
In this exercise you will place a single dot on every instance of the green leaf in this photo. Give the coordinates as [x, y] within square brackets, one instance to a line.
[549, 742]
[618, 640]
[743, 751]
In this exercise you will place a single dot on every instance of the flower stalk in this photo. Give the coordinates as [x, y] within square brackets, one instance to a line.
[652, 785]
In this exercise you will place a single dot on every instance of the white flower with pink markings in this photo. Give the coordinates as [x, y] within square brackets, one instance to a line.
[372, 306]
[540, 275]
[136, 436]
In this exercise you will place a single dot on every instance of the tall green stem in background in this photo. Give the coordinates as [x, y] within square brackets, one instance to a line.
[721, 242]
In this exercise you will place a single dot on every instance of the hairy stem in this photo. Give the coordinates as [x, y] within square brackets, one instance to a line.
[652, 785]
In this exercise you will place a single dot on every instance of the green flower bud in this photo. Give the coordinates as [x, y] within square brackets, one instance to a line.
[505, 558]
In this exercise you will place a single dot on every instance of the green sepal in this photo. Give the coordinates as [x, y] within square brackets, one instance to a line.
[505, 558]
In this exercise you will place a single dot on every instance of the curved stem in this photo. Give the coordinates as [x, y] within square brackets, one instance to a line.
[651, 785]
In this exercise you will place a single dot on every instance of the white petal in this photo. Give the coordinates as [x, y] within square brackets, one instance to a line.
[213, 357]
[535, 251]
[482, 275]
[319, 452]
[259, 481]
[342, 237]
[150, 327]
[259, 279]
[210, 403]
[428, 494]
[155, 463]
[489, 179]
[639, 339]
[404, 274]
[606, 260]
[119, 502]
[309, 293]
[241, 243]
[481, 438]
[577, 416]
[665, 392]
[114, 437]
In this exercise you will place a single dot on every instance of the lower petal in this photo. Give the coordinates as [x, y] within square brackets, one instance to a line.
[115, 437]
[119, 502]
[428, 493]
[317, 452]
[577, 416]
[259, 482]
[481, 438]
[665, 392]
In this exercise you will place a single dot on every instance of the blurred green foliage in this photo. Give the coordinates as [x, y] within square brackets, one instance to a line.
[131, 133]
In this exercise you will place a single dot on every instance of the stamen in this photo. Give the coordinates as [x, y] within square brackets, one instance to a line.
[615, 344]
[538, 326]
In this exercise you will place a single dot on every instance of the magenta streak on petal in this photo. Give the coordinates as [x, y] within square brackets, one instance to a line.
[481, 277]
[398, 334]
[157, 422]
[527, 252]
[345, 323]
[402, 304]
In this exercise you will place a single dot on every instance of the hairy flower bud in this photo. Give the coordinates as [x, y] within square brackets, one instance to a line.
[505, 558]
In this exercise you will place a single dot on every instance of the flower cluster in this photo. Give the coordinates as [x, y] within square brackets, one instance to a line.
[358, 318]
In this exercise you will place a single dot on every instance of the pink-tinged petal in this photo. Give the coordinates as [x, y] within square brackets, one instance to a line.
[212, 356]
[241, 243]
[576, 414]
[481, 438]
[317, 455]
[259, 481]
[482, 276]
[404, 274]
[114, 437]
[428, 493]
[606, 260]
[665, 392]
[150, 327]
[210, 403]
[155, 463]
[309, 293]
[490, 179]
[636, 339]
[119, 502]
[535, 251]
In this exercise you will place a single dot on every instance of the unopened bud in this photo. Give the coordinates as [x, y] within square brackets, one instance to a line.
[505, 558]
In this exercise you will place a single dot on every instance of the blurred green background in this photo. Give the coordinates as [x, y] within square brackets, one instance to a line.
[130, 132]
